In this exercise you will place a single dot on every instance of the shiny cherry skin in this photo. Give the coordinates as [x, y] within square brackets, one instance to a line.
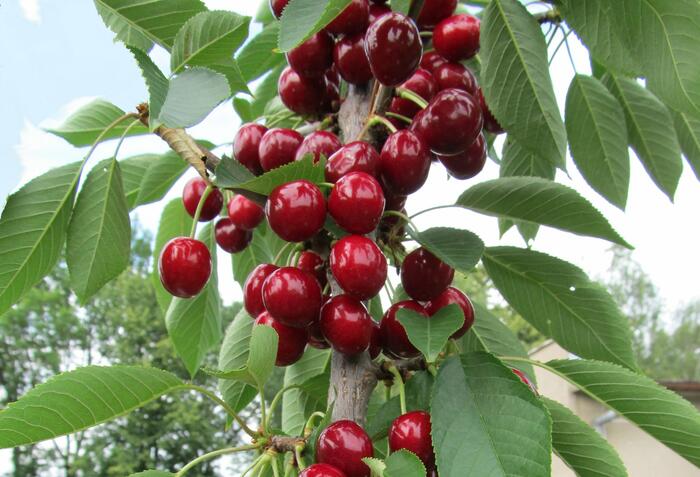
[331, 98]
[277, 6]
[490, 122]
[278, 147]
[292, 296]
[304, 96]
[312, 263]
[434, 11]
[245, 146]
[357, 156]
[423, 84]
[321, 470]
[357, 203]
[449, 296]
[525, 380]
[230, 237]
[455, 75]
[404, 163]
[411, 431]
[296, 211]
[245, 213]
[358, 266]
[346, 324]
[394, 338]
[354, 19]
[375, 342]
[424, 276]
[319, 143]
[343, 444]
[192, 193]
[468, 163]
[312, 58]
[377, 10]
[185, 266]
[393, 48]
[457, 38]
[291, 343]
[252, 288]
[350, 59]
[431, 61]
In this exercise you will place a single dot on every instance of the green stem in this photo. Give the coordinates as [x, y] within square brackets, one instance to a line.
[275, 469]
[200, 206]
[411, 96]
[300, 459]
[437, 207]
[310, 421]
[278, 120]
[426, 34]
[253, 466]
[263, 411]
[376, 119]
[400, 117]
[282, 251]
[402, 392]
[229, 410]
[105, 131]
[329, 185]
[278, 397]
[403, 216]
[123, 136]
[212, 455]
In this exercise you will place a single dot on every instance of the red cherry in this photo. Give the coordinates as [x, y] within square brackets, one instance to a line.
[278, 147]
[343, 444]
[457, 37]
[394, 48]
[358, 156]
[304, 96]
[358, 266]
[245, 146]
[353, 19]
[331, 98]
[319, 143]
[525, 380]
[191, 195]
[375, 342]
[431, 61]
[252, 288]
[395, 202]
[277, 6]
[292, 296]
[376, 11]
[346, 324]
[245, 213]
[403, 107]
[357, 203]
[296, 211]
[350, 59]
[312, 58]
[312, 263]
[291, 343]
[434, 11]
[449, 296]
[423, 84]
[316, 338]
[490, 122]
[394, 338]
[404, 163]
[455, 75]
[424, 276]
[185, 266]
[230, 237]
[321, 470]
[411, 431]
[468, 163]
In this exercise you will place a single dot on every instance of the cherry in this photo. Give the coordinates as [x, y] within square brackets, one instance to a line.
[404, 107]
[291, 343]
[331, 97]
[252, 288]
[321, 470]
[404, 163]
[457, 38]
[394, 48]
[296, 211]
[468, 163]
[358, 266]
[525, 380]
[411, 431]
[230, 237]
[449, 296]
[423, 84]
[395, 202]
[434, 11]
[455, 75]
[346, 324]
[424, 276]
[245, 213]
[278, 147]
[377, 10]
[292, 296]
[304, 96]
[350, 59]
[343, 444]
[490, 122]
[431, 61]
[316, 338]
[245, 146]
[312, 263]
[357, 156]
[312, 58]
[191, 195]
[185, 266]
[394, 338]
[319, 143]
[375, 342]
[353, 19]
[277, 6]
[357, 203]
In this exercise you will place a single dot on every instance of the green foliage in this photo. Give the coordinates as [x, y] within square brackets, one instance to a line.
[264, 248]
[398, 464]
[303, 18]
[259, 55]
[461, 249]
[298, 404]
[431, 336]
[688, 129]
[234, 354]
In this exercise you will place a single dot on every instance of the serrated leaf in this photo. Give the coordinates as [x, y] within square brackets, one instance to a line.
[303, 18]
[77, 400]
[258, 55]
[376, 466]
[191, 96]
[264, 248]
[233, 354]
[229, 68]
[430, 335]
[539, 201]
[156, 83]
[460, 249]
[99, 234]
[164, 172]
[33, 229]
[133, 171]
[403, 463]
[297, 404]
[559, 300]
[688, 130]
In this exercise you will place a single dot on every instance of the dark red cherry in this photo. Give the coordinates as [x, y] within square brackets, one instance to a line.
[394, 338]
[434, 11]
[191, 195]
[525, 379]
[377, 10]
[185, 266]
[312, 263]
[455, 75]
[292, 296]
[245, 146]
[291, 343]
[319, 143]
[403, 107]
[343, 444]
[277, 6]
[394, 48]
[296, 211]
[490, 122]
[304, 96]
[449, 296]
[346, 324]
[252, 288]
[321, 470]
[468, 163]
[278, 147]
[395, 202]
[457, 38]
[357, 203]
[230, 237]
[350, 59]
[375, 342]
[316, 338]
[331, 98]
[358, 156]
[431, 61]
[404, 163]
[358, 266]
[423, 84]
[424, 276]
[354, 19]
[411, 431]
[245, 213]
[312, 58]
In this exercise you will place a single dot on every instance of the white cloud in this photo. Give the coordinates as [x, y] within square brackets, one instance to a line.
[30, 10]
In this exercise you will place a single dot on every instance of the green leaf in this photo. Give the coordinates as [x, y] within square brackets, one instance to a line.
[156, 83]
[401, 6]
[230, 171]
[688, 130]
[580, 446]
[297, 404]
[192, 95]
[403, 463]
[486, 422]
[99, 234]
[516, 82]
[264, 248]
[376, 466]
[539, 201]
[234, 354]
[229, 68]
[650, 131]
[303, 18]
[164, 172]
[431, 335]
[77, 400]
[595, 124]
[460, 249]
[559, 300]
[33, 228]
[152, 473]
[194, 324]
[133, 170]
[83, 127]
[663, 414]
[258, 56]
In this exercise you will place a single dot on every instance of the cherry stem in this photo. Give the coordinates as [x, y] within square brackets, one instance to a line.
[275, 469]
[399, 117]
[200, 206]
[310, 421]
[254, 466]
[403, 216]
[325, 184]
[437, 207]
[282, 251]
[297, 453]
[229, 410]
[411, 96]
[278, 397]
[402, 392]
[376, 119]
[426, 34]
[212, 455]
[123, 136]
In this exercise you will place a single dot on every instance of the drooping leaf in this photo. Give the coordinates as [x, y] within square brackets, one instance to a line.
[264, 248]
[133, 170]
[430, 336]
[403, 463]
[156, 83]
[303, 18]
[191, 96]
[258, 55]
[461, 249]
[165, 170]
[297, 404]
[688, 130]
[234, 354]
